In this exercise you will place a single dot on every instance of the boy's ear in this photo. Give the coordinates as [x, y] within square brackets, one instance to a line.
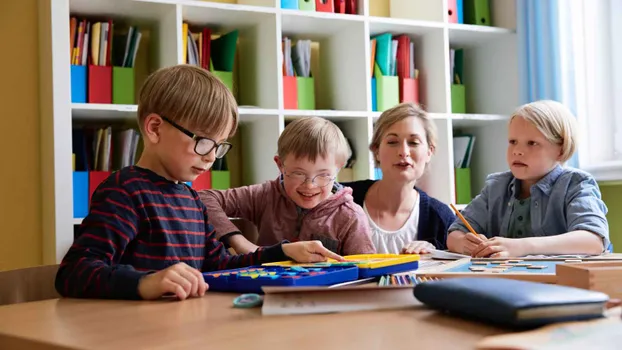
[277, 160]
[151, 126]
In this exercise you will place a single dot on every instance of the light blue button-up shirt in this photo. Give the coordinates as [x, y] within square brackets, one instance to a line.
[564, 200]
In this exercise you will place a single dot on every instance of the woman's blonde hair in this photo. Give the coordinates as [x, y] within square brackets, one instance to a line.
[397, 114]
[555, 121]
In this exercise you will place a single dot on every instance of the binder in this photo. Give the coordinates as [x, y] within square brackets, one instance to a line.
[221, 179]
[306, 5]
[477, 12]
[95, 179]
[374, 105]
[463, 185]
[78, 84]
[460, 10]
[289, 4]
[80, 194]
[458, 98]
[351, 7]
[409, 90]
[340, 6]
[452, 11]
[324, 6]
[203, 181]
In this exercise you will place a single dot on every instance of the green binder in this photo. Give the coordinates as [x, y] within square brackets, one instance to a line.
[477, 12]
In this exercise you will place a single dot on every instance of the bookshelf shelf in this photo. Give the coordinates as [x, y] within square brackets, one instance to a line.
[340, 66]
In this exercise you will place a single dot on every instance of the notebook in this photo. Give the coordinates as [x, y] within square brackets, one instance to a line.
[512, 303]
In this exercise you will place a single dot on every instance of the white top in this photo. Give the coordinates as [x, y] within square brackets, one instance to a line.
[392, 242]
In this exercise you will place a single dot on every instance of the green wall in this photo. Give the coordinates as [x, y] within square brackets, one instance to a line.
[612, 195]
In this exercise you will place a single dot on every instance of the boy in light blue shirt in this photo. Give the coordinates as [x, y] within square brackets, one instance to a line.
[539, 206]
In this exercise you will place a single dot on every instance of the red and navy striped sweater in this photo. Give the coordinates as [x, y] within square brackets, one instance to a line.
[140, 222]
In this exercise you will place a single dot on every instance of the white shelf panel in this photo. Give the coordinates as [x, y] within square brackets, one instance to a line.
[468, 35]
[229, 15]
[136, 9]
[328, 114]
[316, 25]
[474, 120]
[379, 25]
[77, 221]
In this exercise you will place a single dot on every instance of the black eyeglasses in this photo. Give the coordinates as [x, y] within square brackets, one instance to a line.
[203, 145]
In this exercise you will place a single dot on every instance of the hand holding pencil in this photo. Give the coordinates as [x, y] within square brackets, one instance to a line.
[473, 239]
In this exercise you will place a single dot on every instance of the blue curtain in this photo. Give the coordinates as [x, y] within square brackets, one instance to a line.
[541, 36]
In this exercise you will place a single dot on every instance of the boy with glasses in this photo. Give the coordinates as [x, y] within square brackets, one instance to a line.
[147, 233]
[304, 203]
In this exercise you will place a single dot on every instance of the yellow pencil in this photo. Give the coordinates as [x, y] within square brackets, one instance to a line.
[466, 223]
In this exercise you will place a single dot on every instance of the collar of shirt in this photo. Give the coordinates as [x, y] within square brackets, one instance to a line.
[545, 184]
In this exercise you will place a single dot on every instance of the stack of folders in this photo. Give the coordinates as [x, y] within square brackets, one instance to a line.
[98, 151]
[336, 6]
[298, 83]
[216, 55]
[106, 50]
[393, 71]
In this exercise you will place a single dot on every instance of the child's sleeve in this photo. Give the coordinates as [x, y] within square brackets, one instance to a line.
[585, 210]
[242, 202]
[91, 268]
[218, 258]
[357, 237]
[475, 213]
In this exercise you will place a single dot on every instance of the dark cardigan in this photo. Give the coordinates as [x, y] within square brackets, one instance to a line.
[434, 216]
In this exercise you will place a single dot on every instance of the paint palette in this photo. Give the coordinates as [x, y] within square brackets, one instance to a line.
[369, 265]
[251, 279]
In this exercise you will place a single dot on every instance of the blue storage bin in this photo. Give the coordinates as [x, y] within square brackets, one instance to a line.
[80, 194]
[78, 84]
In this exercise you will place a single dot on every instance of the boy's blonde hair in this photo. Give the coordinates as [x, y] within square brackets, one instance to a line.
[555, 121]
[313, 137]
[191, 96]
[397, 114]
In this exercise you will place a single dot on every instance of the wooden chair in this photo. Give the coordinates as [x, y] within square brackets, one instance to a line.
[28, 284]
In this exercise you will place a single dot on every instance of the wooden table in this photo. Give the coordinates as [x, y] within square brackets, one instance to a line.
[212, 323]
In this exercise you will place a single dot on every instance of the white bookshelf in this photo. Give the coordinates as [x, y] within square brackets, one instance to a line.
[341, 71]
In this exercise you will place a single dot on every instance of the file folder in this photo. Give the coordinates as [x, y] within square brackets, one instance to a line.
[460, 10]
[340, 6]
[306, 5]
[290, 92]
[225, 77]
[95, 179]
[409, 90]
[78, 84]
[203, 181]
[289, 4]
[123, 85]
[100, 84]
[477, 12]
[351, 7]
[463, 185]
[374, 106]
[324, 6]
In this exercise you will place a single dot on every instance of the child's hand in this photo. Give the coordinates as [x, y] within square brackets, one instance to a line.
[179, 279]
[469, 242]
[309, 251]
[499, 247]
[418, 247]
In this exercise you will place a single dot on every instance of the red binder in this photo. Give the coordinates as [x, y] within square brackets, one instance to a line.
[100, 84]
[340, 6]
[452, 13]
[324, 6]
[351, 7]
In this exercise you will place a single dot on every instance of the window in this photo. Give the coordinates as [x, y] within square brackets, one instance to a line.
[592, 78]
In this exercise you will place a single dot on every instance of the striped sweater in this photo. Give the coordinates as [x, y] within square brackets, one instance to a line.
[139, 223]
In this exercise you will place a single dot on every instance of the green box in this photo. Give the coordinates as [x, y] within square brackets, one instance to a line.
[221, 179]
[387, 90]
[306, 92]
[225, 77]
[477, 12]
[123, 86]
[463, 185]
[458, 98]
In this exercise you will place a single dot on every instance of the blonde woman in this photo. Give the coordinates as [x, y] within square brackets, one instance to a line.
[538, 206]
[403, 218]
